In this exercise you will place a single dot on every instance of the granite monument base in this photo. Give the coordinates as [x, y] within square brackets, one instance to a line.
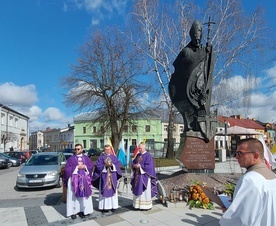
[196, 155]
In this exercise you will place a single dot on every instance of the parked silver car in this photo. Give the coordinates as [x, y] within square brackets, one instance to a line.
[13, 161]
[4, 163]
[41, 170]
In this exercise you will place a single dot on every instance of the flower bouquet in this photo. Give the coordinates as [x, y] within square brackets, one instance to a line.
[197, 198]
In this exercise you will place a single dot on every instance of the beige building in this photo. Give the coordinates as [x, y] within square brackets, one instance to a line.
[36, 140]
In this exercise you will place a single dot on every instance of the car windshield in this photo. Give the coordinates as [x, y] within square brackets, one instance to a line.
[67, 156]
[42, 160]
[7, 156]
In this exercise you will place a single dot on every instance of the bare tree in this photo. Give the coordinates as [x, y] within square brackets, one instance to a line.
[108, 80]
[7, 137]
[162, 31]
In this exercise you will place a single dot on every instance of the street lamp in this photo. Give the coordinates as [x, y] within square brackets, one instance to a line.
[1, 124]
[226, 124]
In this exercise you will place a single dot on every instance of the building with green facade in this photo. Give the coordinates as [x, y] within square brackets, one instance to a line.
[147, 125]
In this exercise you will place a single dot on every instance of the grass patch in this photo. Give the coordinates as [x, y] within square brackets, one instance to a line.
[163, 162]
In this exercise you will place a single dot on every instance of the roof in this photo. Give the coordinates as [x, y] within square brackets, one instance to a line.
[15, 112]
[148, 114]
[238, 121]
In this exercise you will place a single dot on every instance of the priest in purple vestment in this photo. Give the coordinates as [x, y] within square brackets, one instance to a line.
[106, 174]
[143, 182]
[77, 179]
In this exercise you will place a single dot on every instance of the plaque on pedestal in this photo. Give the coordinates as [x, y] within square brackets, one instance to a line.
[196, 155]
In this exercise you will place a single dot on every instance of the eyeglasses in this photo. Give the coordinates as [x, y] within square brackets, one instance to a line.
[240, 153]
[77, 149]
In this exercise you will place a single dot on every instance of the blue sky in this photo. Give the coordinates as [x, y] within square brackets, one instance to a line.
[41, 38]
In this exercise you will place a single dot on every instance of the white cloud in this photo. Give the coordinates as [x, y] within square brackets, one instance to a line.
[271, 72]
[95, 21]
[23, 99]
[270, 77]
[18, 95]
[231, 93]
[101, 8]
[65, 7]
[52, 114]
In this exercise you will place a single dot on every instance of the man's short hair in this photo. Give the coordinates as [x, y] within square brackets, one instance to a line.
[78, 145]
[254, 145]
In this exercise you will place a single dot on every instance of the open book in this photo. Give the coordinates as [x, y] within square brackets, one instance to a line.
[223, 201]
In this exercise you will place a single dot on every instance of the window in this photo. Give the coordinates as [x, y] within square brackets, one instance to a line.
[94, 129]
[11, 121]
[125, 129]
[102, 129]
[134, 129]
[181, 128]
[101, 143]
[16, 122]
[83, 129]
[84, 143]
[147, 129]
[133, 142]
[93, 143]
[166, 128]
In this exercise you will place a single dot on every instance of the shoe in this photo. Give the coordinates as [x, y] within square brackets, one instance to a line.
[74, 216]
[104, 211]
[81, 215]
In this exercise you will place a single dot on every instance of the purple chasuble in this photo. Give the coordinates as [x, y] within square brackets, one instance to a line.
[139, 181]
[107, 180]
[81, 182]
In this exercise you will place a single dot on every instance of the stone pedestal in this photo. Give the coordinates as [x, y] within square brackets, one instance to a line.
[196, 155]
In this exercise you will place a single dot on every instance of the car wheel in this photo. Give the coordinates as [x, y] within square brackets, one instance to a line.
[59, 184]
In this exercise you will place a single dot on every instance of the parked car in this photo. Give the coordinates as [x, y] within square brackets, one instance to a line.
[42, 170]
[34, 151]
[22, 156]
[13, 161]
[67, 155]
[93, 152]
[68, 150]
[4, 163]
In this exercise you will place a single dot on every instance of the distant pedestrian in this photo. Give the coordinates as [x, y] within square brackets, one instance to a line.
[11, 148]
[107, 173]
[143, 182]
[254, 198]
[77, 179]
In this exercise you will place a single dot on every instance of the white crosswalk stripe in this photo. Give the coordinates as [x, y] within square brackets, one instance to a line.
[13, 216]
[51, 214]
[16, 216]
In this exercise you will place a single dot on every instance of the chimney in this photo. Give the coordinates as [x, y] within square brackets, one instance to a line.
[239, 116]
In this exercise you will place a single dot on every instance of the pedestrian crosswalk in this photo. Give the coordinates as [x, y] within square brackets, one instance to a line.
[13, 216]
[52, 214]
